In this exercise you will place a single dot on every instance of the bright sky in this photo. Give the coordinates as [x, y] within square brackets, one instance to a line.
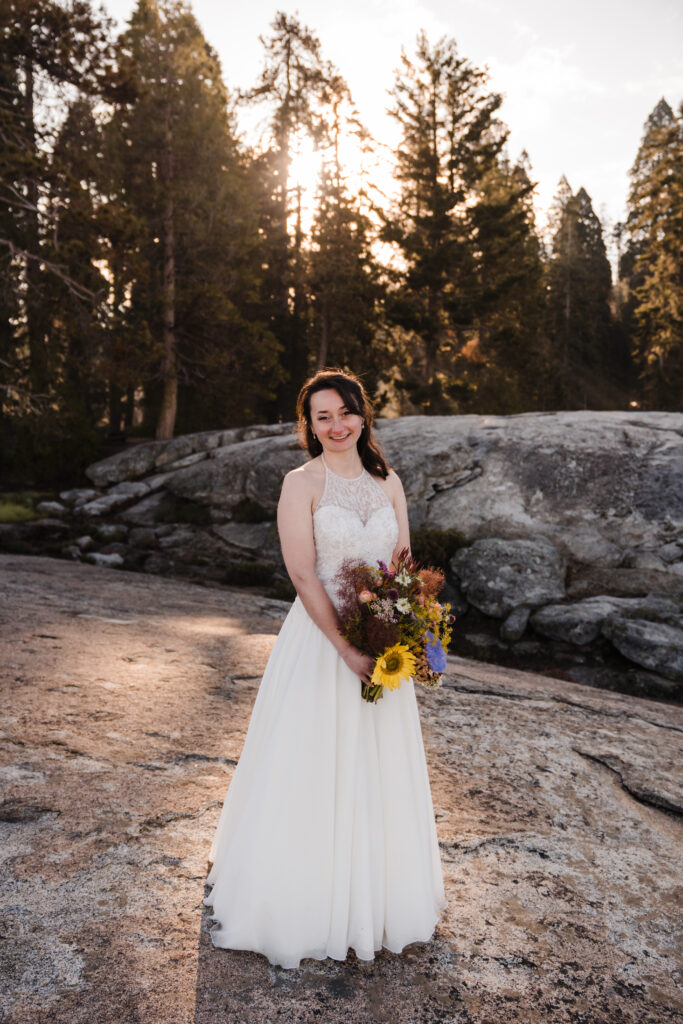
[578, 78]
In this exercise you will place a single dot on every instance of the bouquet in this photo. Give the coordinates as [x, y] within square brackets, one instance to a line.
[394, 616]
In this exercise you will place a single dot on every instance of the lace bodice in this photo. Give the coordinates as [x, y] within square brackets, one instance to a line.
[353, 519]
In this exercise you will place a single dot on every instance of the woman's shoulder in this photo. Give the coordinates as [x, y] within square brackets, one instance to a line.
[304, 479]
[394, 481]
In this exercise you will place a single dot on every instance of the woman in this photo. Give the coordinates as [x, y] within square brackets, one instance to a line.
[327, 840]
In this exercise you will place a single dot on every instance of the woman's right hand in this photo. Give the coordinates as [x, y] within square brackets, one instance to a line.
[362, 664]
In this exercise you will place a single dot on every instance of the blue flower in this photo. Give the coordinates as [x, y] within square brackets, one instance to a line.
[436, 656]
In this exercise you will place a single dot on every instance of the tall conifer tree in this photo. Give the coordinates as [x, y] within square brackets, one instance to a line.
[579, 292]
[653, 262]
[451, 139]
[195, 297]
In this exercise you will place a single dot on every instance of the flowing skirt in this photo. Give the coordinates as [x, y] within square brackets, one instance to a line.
[327, 839]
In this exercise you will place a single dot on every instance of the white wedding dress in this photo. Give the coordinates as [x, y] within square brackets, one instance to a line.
[327, 839]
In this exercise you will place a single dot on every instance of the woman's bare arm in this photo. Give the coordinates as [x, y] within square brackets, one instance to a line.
[295, 526]
[401, 510]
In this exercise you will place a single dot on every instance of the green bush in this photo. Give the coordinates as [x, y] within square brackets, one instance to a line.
[13, 512]
[436, 547]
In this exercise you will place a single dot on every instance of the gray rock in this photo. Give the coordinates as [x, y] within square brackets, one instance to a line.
[581, 478]
[248, 469]
[670, 552]
[173, 450]
[115, 548]
[654, 645]
[581, 622]
[498, 575]
[595, 581]
[249, 538]
[131, 488]
[51, 508]
[78, 496]
[189, 460]
[586, 544]
[85, 542]
[133, 462]
[104, 505]
[113, 561]
[515, 624]
[149, 510]
[111, 531]
[643, 560]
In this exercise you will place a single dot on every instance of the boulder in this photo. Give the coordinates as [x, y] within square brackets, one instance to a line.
[130, 463]
[498, 575]
[105, 505]
[111, 531]
[580, 478]
[77, 496]
[672, 552]
[150, 510]
[253, 539]
[654, 645]
[112, 561]
[581, 621]
[131, 488]
[51, 508]
[515, 624]
[248, 469]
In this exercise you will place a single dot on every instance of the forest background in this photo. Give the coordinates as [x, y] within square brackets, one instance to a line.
[159, 275]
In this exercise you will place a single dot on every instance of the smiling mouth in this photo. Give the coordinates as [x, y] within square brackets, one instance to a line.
[342, 438]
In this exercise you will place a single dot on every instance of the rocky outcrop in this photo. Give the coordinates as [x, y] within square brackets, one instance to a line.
[561, 519]
[498, 576]
[126, 699]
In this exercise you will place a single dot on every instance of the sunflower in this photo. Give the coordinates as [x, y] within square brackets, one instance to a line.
[391, 668]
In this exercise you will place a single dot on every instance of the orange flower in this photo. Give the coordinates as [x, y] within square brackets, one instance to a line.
[366, 595]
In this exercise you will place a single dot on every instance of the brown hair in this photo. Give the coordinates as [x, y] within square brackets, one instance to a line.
[354, 397]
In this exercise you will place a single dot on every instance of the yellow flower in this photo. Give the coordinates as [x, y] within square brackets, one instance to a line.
[391, 668]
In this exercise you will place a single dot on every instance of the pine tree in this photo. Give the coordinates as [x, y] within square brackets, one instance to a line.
[345, 287]
[579, 293]
[506, 370]
[653, 262]
[75, 243]
[450, 141]
[43, 45]
[195, 271]
[293, 81]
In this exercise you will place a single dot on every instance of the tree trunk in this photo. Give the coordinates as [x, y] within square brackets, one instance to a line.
[324, 336]
[169, 358]
[37, 349]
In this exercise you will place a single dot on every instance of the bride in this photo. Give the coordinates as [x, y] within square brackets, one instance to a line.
[327, 841]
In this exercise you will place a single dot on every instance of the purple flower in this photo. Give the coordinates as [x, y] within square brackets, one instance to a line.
[393, 594]
[436, 656]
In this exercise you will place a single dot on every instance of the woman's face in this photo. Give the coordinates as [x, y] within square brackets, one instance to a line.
[336, 427]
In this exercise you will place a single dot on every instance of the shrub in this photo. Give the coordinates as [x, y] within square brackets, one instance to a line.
[435, 547]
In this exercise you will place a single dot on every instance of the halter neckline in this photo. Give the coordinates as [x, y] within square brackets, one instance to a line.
[348, 478]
